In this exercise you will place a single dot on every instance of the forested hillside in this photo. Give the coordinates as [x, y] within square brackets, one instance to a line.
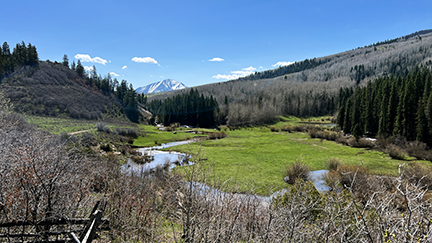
[391, 106]
[311, 87]
[191, 109]
[57, 89]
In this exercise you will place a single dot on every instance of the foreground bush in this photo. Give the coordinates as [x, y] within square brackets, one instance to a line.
[297, 170]
[418, 174]
[41, 178]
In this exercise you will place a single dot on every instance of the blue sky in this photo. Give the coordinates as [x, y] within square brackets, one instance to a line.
[200, 42]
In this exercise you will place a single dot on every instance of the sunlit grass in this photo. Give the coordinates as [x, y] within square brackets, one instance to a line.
[57, 125]
[153, 136]
[256, 157]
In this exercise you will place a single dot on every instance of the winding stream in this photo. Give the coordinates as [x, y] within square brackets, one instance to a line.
[160, 158]
[170, 158]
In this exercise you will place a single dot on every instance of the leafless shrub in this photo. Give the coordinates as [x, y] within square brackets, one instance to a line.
[342, 140]
[274, 129]
[318, 132]
[418, 174]
[140, 158]
[315, 133]
[40, 178]
[350, 172]
[418, 150]
[129, 132]
[216, 135]
[332, 180]
[287, 128]
[331, 135]
[106, 129]
[361, 143]
[396, 152]
[170, 129]
[300, 128]
[333, 163]
[297, 170]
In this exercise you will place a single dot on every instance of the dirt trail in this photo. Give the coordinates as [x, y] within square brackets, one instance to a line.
[75, 133]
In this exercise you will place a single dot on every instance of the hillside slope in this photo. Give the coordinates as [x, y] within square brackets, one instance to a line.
[311, 87]
[52, 89]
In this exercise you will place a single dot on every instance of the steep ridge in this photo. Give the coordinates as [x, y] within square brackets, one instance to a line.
[52, 89]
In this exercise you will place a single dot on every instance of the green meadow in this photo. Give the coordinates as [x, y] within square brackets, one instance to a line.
[250, 159]
[154, 137]
[57, 125]
[255, 158]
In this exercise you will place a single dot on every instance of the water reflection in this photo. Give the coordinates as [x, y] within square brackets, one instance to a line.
[160, 158]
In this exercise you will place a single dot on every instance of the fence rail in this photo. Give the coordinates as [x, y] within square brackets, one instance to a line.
[23, 231]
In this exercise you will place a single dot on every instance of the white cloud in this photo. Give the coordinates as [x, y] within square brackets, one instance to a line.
[217, 59]
[88, 69]
[124, 67]
[236, 74]
[226, 76]
[144, 60]
[87, 58]
[114, 74]
[280, 64]
[249, 69]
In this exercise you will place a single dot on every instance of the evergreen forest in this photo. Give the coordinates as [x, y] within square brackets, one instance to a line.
[398, 106]
[191, 109]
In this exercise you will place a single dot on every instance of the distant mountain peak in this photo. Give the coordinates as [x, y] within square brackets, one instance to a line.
[161, 86]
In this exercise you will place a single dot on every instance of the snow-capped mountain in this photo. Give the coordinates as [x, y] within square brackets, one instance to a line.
[161, 86]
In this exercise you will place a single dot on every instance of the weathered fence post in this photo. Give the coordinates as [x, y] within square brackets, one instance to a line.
[26, 230]
[89, 231]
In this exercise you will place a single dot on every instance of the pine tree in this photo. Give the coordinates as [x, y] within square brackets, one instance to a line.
[80, 69]
[422, 126]
[65, 60]
[341, 116]
[384, 122]
[392, 106]
[357, 111]
[347, 119]
[409, 108]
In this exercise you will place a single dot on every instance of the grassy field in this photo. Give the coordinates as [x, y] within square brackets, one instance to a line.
[154, 136]
[251, 158]
[57, 125]
[256, 158]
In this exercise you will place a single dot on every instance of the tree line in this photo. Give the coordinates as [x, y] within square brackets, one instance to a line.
[284, 70]
[21, 55]
[24, 56]
[123, 91]
[190, 108]
[390, 106]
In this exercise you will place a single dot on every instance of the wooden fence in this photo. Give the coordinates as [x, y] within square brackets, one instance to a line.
[57, 230]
